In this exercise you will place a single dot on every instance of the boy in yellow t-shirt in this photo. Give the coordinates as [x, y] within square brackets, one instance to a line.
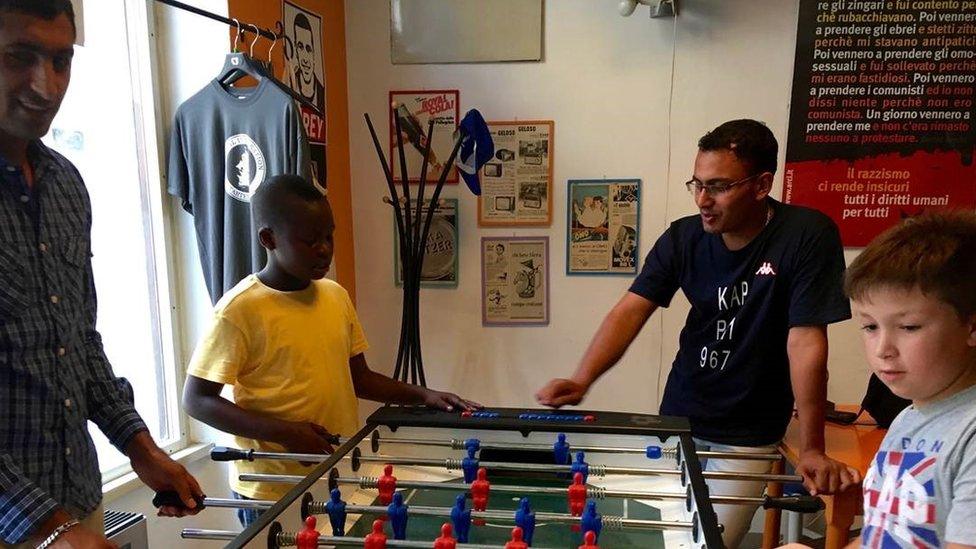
[290, 344]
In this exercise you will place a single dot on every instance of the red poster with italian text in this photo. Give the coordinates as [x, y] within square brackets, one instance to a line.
[881, 120]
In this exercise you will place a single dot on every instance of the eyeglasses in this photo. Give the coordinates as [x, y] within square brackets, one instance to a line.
[715, 189]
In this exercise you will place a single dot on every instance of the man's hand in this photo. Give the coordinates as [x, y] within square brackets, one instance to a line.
[305, 437]
[79, 537]
[160, 473]
[447, 401]
[561, 392]
[822, 475]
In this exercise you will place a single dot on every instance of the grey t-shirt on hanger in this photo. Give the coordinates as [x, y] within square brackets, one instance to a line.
[225, 143]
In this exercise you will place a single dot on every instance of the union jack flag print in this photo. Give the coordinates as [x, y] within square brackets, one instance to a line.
[899, 502]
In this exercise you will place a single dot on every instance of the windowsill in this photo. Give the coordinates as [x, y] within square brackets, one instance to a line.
[128, 482]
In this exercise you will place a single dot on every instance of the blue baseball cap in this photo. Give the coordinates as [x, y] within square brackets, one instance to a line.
[477, 148]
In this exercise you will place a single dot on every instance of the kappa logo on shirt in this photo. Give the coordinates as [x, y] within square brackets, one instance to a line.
[766, 269]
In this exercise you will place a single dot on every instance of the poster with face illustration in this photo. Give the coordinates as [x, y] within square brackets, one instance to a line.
[305, 72]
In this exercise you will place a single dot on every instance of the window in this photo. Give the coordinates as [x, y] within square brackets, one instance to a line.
[107, 128]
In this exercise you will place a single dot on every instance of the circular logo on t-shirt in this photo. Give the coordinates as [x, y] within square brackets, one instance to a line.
[244, 167]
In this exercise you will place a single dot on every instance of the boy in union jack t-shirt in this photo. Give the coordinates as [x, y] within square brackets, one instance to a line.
[914, 295]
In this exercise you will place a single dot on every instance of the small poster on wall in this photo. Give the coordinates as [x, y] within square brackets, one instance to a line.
[305, 74]
[516, 185]
[882, 117]
[440, 266]
[515, 281]
[603, 220]
[415, 110]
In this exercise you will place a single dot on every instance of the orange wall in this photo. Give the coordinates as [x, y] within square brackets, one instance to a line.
[265, 13]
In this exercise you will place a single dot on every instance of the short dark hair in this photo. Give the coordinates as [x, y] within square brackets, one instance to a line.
[301, 20]
[45, 9]
[934, 252]
[749, 140]
[272, 202]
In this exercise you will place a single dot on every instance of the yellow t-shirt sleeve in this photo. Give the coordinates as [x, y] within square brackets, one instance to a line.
[222, 353]
[357, 337]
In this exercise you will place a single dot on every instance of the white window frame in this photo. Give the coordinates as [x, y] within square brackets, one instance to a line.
[149, 121]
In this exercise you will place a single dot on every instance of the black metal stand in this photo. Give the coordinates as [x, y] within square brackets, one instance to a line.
[412, 232]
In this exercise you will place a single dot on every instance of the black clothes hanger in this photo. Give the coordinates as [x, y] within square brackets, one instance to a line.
[237, 64]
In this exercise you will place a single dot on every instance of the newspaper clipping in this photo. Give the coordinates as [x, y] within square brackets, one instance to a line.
[516, 185]
[604, 225]
[515, 281]
[440, 266]
[415, 109]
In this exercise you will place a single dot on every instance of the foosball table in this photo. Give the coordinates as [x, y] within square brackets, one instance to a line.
[497, 478]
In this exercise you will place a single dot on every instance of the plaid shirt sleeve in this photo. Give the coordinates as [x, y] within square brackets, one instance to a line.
[23, 506]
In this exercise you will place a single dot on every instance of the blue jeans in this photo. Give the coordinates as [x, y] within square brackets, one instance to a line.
[246, 516]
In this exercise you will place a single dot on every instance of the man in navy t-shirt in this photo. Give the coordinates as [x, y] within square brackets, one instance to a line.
[764, 281]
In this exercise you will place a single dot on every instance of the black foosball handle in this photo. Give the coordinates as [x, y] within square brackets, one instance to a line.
[170, 498]
[798, 504]
[223, 453]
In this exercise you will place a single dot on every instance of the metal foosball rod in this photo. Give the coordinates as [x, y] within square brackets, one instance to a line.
[800, 504]
[596, 470]
[287, 539]
[462, 444]
[452, 464]
[318, 508]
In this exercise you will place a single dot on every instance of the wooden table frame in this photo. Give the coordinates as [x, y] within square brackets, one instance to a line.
[854, 445]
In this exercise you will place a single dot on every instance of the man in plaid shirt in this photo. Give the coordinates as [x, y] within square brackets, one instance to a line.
[54, 375]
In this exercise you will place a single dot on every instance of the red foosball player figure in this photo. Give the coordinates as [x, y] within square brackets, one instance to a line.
[577, 495]
[479, 494]
[445, 541]
[386, 484]
[516, 542]
[479, 490]
[308, 538]
[376, 539]
[589, 541]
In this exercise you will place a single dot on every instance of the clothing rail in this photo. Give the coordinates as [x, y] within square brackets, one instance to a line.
[245, 27]
[209, 15]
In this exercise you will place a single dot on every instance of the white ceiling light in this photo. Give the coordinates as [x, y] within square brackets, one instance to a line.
[659, 8]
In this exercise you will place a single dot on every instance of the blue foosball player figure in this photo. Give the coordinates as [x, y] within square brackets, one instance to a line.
[525, 519]
[470, 466]
[560, 450]
[461, 518]
[336, 509]
[580, 466]
[591, 521]
[397, 511]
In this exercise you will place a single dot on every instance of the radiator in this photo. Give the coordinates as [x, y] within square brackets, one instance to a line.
[127, 530]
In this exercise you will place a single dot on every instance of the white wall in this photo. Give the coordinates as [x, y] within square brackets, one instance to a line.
[630, 97]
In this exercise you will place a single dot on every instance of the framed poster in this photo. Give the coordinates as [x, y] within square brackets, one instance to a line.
[516, 185]
[416, 109]
[305, 74]
[882, 113]
[603, 226]
[515, 281]
[303, 53]
[440, 266]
